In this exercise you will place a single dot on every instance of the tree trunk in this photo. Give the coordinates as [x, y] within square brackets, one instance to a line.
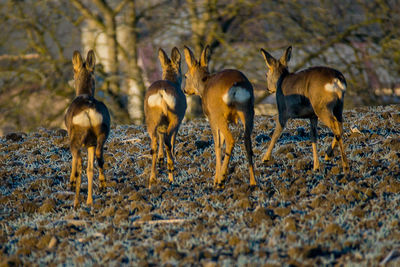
[135, 81]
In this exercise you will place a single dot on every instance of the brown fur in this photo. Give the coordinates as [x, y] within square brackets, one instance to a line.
[212, 88]
[87, 134]
[162, 120]
[303, 95]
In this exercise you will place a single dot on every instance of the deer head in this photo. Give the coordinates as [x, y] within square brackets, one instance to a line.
[197, 74]
[276, 68]
[84, 73]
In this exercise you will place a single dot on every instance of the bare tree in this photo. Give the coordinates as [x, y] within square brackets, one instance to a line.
[360, 38]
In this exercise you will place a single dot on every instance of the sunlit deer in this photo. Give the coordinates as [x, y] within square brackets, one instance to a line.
[88, 125]
[226, 96]
[313, 93]
[165, 106]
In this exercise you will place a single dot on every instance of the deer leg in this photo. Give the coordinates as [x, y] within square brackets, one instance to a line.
[153, 152]
[314, 138]
[280, 125]
[78, 179]
[173, 141]
[169, 145]
[170, 157]
[329, 151]
[160, 156]
[248, 128]
[89, 173]
[339, 125]
[337, 130]
[229, 143]
[74, 148]
[74, 174]
[217, 144]
[100, 159]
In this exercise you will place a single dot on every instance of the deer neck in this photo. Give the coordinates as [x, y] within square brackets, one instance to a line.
[84, 86]
[84, 91]
[171, 76]
[281, 78]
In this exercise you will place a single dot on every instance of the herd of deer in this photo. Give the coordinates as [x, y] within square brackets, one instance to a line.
[226, 96]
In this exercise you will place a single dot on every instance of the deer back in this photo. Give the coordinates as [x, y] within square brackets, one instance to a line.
[300, 94]
[223, 92]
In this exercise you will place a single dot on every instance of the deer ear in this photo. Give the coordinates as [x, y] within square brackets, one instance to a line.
[189, 57]
[205, 56]
[269, 60]
[176, 57]
[286, 57]
[77, 61]
[163, 57]
[90, 60]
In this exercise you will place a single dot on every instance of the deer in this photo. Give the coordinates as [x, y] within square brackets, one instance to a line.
[165, 106]
[226, 97]
[88, 125]
[314, 93]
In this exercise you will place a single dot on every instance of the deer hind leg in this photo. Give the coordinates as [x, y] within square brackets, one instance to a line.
[345, 163]
[169, 146]
[160, 156]
[74, 148]
[280, 125]
[337, 129]
[78, 178]
[218, 159]
[248, 128]
[101, 139]
[74, 174]
[153, 152]
[173, 141]
[89, 173]
[329, 151]
[170, 157]
[314, 139]
[229, 144]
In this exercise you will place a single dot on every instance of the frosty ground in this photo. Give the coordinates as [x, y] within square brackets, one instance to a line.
[295, 216]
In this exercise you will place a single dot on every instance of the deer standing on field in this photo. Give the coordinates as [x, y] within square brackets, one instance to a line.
[164, 107]
[313, 93]
[226, 96]
[88, 125]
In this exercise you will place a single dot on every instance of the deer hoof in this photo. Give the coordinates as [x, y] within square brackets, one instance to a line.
[253, 184]
[268, 161]
[160, 161]
[220, 186]
[346, 170]
[103, 187]
[76, 204]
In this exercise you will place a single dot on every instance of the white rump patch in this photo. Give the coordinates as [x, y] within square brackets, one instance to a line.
[154, 100]
[87, 118]
[336, 86]
[236, 94]
[157, 99]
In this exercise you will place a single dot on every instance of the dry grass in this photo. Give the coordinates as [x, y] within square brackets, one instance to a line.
[294, 216]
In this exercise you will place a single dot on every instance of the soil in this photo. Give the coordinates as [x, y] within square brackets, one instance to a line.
[295, 216]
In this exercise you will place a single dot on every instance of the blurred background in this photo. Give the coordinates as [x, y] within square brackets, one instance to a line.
[361, 38]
